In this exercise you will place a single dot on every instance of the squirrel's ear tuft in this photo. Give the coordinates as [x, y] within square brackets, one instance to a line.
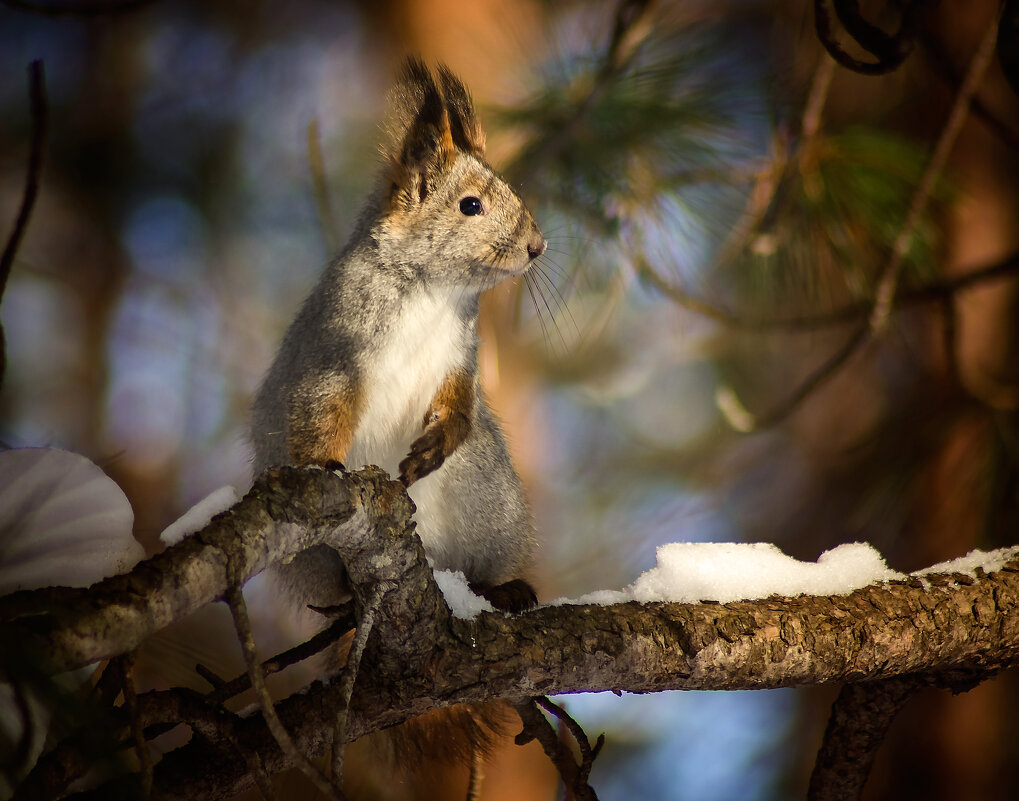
[463, 122]
[421, 144]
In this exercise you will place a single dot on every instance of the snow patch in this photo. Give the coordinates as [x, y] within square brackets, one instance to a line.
[198, 516]
[689, 572]
[460, 598]
[988, 561]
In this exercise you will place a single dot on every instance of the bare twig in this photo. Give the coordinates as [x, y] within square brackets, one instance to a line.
[137, 734]
[37, 102]
[819, 88]
[320, 184]
[889, 283]
[745, 422]
[941, 63]
[242, 624]
[587, 752]
[537, 727]
[859, 720]
[275, 664]
[937, 292]
[365, 624]
[770, 178]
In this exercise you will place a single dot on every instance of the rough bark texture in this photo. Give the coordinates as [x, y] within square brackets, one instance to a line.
[956, 628]
[285, 512]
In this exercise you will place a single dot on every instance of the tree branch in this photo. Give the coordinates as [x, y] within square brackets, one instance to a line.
[955, 627]
[859, 721]
[285, 512]
[952, 628]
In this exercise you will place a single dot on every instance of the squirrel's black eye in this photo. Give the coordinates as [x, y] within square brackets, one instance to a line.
[470, 206]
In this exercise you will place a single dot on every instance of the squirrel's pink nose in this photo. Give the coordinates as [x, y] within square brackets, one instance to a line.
[535, 250]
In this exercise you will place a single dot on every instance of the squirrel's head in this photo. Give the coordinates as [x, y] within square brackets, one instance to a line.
[445, 213]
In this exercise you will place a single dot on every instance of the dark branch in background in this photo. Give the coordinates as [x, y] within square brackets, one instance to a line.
[588, 753]
[941, 64]
[126, 666]
[859, 720]
[746, 422]
[37, 101]
[537, 727]
[888, 285]
[889, 50]
[885, 296]
[617, 59]
[320, 184]
[70, 8]
[1008, 43]
[940, 292]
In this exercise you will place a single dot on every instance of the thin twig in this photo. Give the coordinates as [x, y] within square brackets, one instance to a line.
[537, 727]
[320, 184]
[39, 111]
[37, 103]
[889, 283]
[770, 178]
[242, 624]
[743, 421]
[860, 310]
[275, 664]
[587, 753]
[820, 87]
[941, 64]
[346, 688]
[137, 734]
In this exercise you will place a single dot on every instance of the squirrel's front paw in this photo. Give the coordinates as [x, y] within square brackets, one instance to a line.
[426, 455]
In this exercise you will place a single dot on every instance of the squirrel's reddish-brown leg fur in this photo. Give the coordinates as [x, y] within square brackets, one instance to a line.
[447, 424]
[330, 437]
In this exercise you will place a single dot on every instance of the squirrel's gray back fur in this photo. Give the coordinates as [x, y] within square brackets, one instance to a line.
[389, 335]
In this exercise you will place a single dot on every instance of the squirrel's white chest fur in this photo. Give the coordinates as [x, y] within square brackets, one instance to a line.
[426, 341]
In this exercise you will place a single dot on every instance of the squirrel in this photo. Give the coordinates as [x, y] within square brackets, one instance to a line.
[380, 365]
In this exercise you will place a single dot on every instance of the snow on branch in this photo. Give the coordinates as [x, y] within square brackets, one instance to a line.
[949, 628]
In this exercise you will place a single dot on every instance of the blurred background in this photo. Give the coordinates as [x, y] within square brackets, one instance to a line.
[721, 203]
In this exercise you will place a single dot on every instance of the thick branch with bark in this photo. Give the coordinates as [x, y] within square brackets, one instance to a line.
[952, 628]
